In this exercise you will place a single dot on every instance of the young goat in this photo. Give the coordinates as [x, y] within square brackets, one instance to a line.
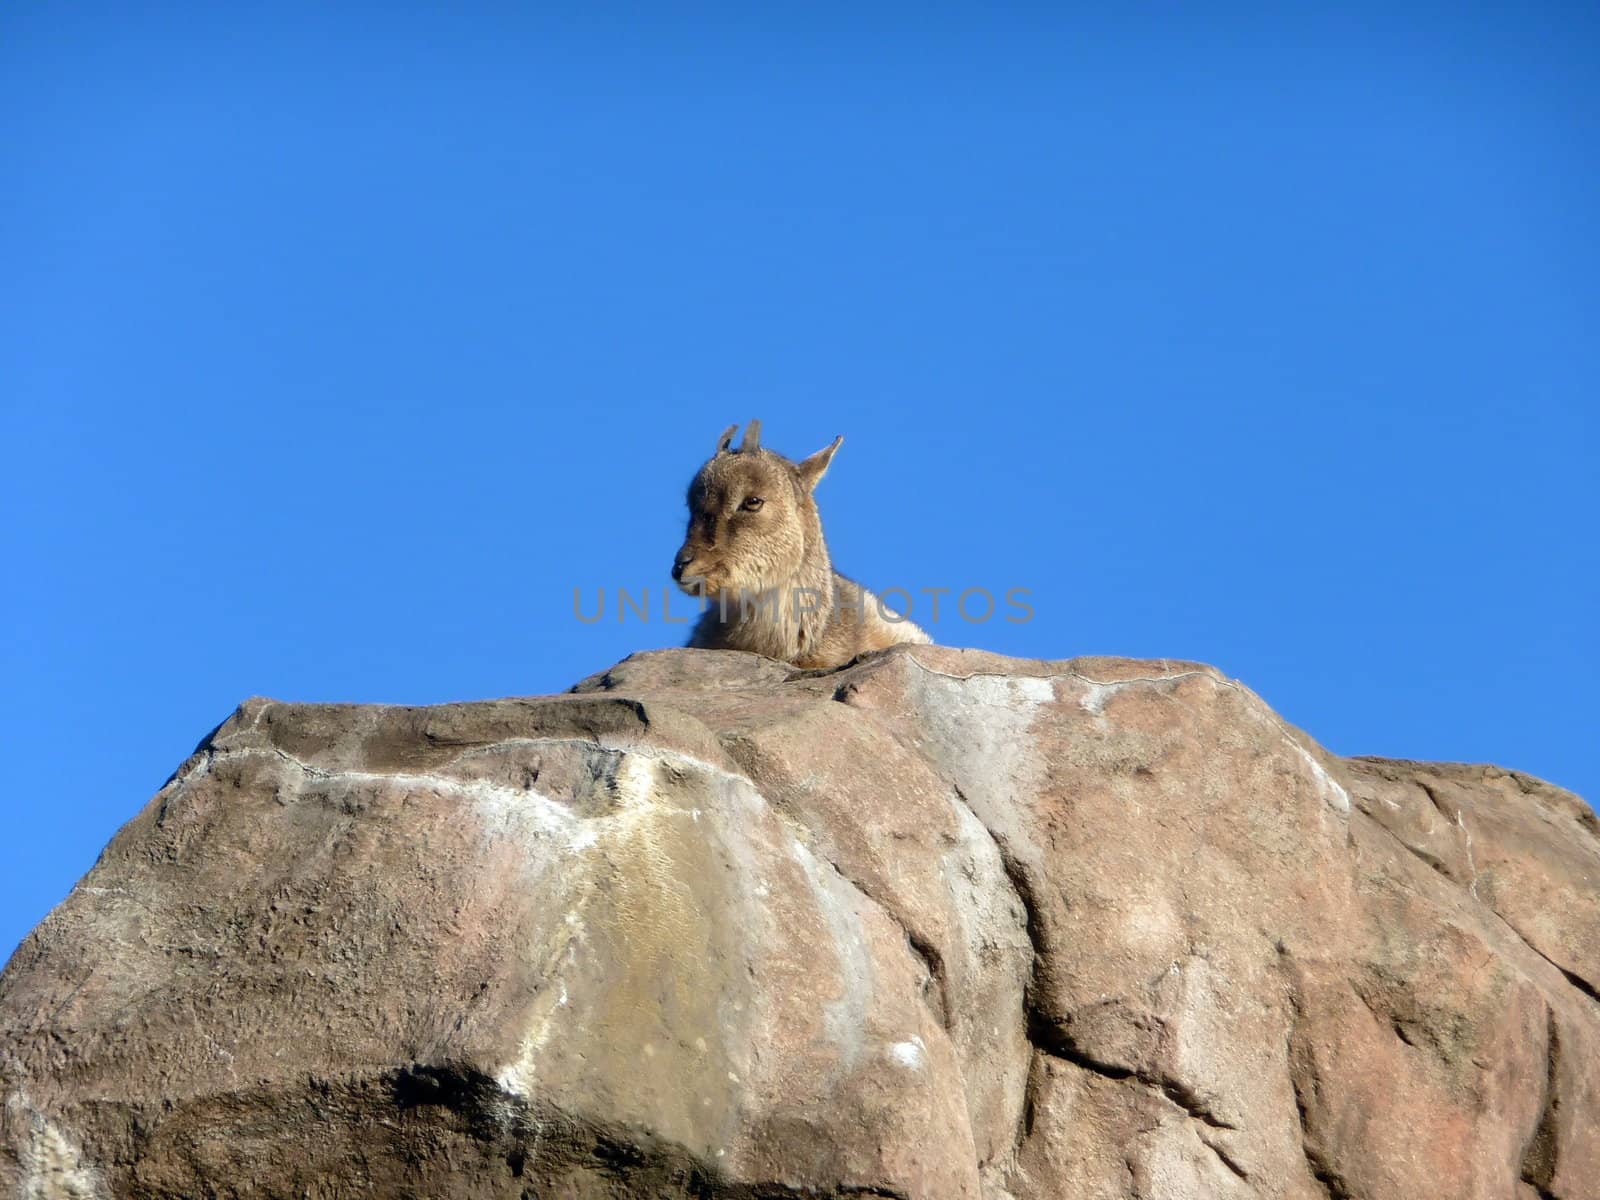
[755, 550]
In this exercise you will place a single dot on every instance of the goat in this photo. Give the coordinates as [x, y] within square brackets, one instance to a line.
[755, 551]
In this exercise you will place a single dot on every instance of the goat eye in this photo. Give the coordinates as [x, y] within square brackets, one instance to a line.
[752, 504]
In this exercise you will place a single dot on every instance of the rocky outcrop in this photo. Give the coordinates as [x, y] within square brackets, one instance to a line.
[938, 925]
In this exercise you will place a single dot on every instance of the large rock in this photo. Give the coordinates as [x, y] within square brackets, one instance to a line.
[941, 924]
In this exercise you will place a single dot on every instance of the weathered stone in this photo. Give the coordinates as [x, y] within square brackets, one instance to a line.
[940, 925]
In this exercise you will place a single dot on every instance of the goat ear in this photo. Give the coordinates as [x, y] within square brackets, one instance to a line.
[751, 442]
[814, 468]
[725, 439]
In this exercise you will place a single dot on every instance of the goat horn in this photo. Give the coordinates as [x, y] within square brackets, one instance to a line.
[726, 438]
[752, 438]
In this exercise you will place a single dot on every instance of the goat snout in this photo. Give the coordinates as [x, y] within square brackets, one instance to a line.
[685, 557]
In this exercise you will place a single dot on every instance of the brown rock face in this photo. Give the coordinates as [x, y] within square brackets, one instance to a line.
[938, 925]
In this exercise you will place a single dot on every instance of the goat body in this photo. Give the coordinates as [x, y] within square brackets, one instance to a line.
[756, 553]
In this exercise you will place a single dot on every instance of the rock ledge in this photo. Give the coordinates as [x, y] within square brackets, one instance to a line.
[937, 925]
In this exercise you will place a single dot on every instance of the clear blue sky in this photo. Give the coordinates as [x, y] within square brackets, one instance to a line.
[337, 347]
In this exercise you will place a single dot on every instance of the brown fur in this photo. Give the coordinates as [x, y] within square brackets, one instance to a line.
[755, 550]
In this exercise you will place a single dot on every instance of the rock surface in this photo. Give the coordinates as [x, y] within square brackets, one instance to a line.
[938, 925]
